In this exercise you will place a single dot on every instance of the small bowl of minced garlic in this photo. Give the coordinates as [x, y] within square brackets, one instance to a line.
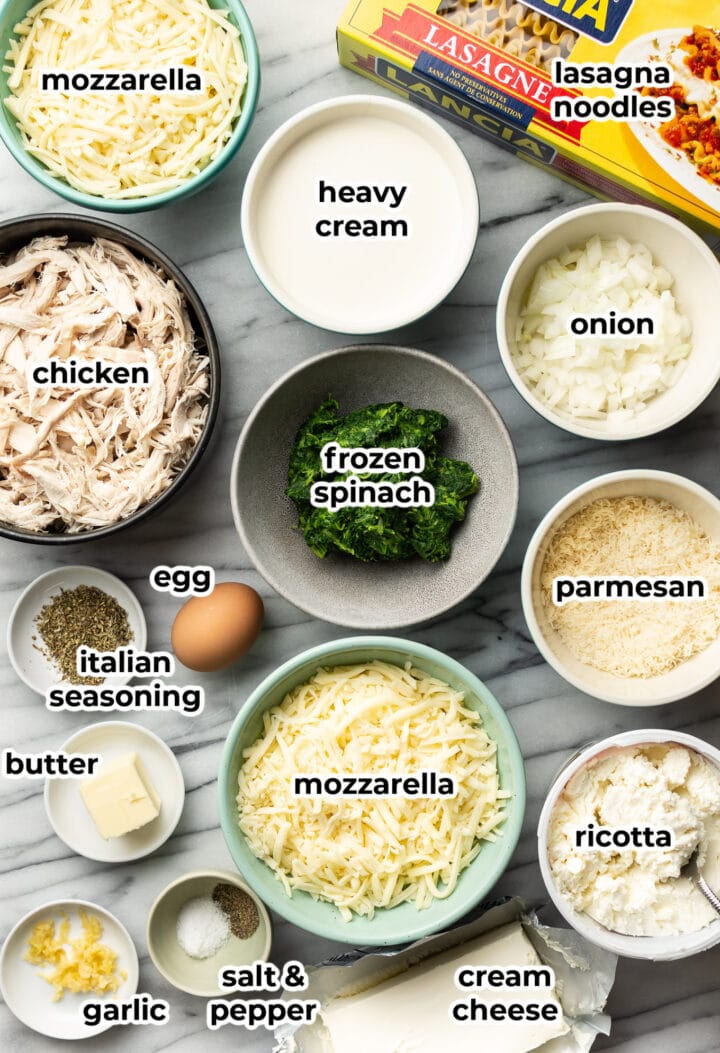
[621, 587]
[620, 824]
[65, 966]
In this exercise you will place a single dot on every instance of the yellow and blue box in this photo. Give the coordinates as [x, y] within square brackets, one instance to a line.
[489, 65]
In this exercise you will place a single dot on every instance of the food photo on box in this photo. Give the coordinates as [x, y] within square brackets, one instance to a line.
[360, 526]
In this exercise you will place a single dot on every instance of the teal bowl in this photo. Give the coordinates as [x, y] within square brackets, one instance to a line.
[13, 11]
[401, 924]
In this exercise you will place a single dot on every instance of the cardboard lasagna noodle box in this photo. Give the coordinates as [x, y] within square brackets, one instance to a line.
[619, 96]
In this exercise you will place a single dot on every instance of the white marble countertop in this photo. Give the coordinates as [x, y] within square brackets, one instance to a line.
[655, 1007]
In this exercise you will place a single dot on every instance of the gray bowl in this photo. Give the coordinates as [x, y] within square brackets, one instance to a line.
[340, 589]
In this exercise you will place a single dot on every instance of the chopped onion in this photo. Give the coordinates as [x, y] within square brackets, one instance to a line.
[600, 377]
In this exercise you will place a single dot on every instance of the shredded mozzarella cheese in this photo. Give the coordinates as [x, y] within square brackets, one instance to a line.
[125, 145]
[365, 853]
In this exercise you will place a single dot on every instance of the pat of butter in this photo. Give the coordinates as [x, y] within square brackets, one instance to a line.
[410, 1012]
[121, 798]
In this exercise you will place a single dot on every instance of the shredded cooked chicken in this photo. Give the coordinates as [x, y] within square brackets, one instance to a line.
[72, 459]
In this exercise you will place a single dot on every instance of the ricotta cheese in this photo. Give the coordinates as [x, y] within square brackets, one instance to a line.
[639, 891]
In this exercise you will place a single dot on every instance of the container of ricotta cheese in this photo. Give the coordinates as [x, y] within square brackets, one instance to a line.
[638, 896]
[360, 214]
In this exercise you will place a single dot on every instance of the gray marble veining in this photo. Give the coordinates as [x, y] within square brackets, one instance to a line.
[668, 1008]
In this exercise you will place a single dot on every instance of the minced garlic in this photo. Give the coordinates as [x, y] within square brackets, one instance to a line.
[82, 965]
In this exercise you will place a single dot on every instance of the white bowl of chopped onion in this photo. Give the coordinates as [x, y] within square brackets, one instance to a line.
[603, 323]
[619, 644]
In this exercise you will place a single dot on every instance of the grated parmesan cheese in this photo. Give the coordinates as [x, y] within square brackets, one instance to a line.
[635, 537]
[365, 853]
[125, 145]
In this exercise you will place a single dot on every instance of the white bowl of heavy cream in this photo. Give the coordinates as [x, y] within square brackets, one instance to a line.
[656, 904]
[360, 214]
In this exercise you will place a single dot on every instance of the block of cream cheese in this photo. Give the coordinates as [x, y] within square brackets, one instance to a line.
[121, 798]
[410, 1012]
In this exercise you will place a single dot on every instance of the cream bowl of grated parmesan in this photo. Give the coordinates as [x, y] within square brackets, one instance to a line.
[635, 900]
[371, 864]
[603, 324]
[621, 587]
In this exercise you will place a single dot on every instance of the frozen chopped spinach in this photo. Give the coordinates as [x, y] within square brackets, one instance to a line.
[378, 534]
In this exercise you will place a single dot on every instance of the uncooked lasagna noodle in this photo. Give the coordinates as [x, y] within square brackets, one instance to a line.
[513, 27]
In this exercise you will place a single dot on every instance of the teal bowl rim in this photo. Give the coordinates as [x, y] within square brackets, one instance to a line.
[273, 894]
[146, 204]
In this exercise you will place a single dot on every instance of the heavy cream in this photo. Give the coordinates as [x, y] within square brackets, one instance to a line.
[635, 800]
[360, 215]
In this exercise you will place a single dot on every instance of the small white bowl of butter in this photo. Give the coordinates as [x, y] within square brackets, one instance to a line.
[678, 902]
[130, 805]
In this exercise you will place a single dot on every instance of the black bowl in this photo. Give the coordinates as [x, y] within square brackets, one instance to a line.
[17, 232]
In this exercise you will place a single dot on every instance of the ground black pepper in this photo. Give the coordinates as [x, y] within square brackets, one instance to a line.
[239, 908]
[83, 615]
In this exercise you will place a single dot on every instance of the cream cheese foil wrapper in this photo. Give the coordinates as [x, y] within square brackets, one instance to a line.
[584, 977]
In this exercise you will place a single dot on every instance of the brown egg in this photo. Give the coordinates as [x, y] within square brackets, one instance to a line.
[211, 632]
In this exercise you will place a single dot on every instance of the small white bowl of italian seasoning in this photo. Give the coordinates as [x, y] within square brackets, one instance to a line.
[64, 609]
[592, 581]
[203, 921]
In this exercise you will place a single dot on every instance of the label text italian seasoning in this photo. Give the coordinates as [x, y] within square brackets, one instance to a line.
[188, 699]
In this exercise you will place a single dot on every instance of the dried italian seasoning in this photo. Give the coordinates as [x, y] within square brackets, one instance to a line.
[239, 908]
[83, 615]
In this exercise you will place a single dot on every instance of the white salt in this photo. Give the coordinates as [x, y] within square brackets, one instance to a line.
[202, 928]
